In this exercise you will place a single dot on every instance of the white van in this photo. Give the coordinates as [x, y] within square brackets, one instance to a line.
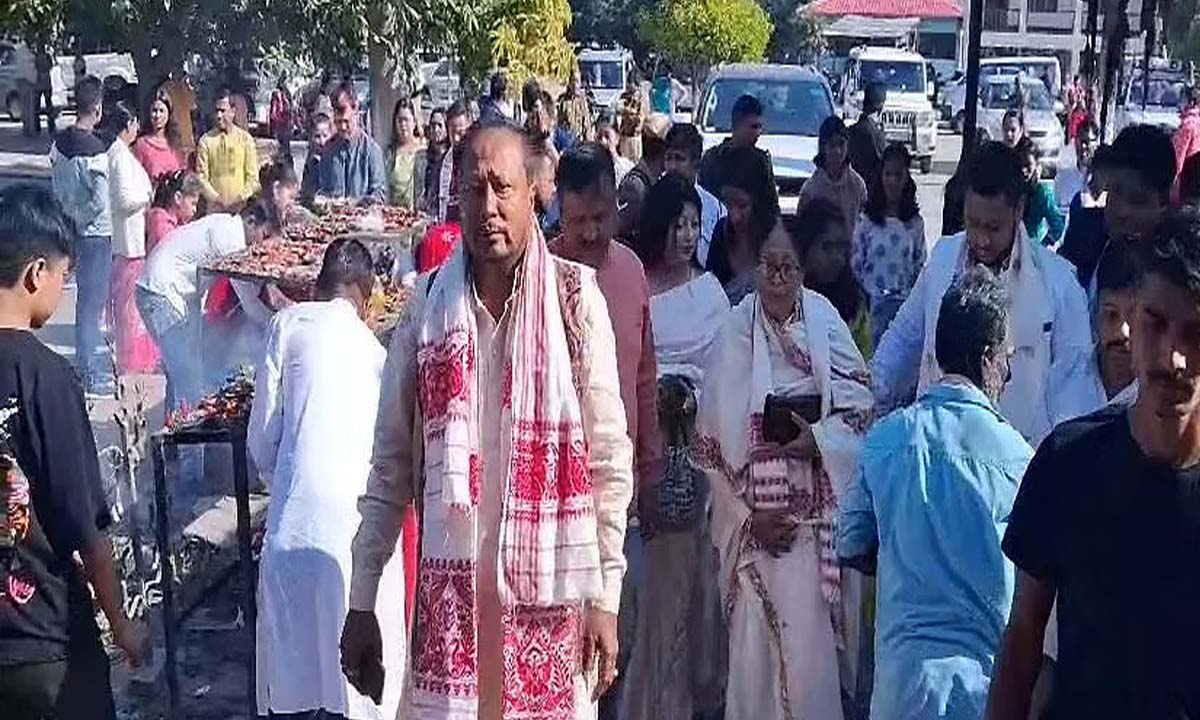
[604, 74]
[1047, 69]
[908, 114]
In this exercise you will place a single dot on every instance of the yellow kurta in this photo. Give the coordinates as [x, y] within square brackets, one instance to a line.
[228, 165]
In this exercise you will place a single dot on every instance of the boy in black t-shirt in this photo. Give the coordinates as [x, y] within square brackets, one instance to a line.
[1107, 521]
[52, 543]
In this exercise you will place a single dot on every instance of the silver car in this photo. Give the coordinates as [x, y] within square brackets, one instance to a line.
[999, 94]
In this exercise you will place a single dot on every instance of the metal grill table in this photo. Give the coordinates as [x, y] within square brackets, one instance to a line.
[234, 435]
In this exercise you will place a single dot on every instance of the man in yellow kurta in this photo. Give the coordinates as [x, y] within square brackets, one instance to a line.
[227, 160]
[574, 109]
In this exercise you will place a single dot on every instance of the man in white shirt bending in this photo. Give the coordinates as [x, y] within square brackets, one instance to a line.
[310, 432]
[684, 149]
[169, 297]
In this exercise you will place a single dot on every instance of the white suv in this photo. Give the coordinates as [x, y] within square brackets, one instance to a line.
[908, 114]
[795, 99]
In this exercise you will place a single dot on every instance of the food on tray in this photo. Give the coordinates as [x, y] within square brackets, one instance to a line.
[229, 405]
[288, 261]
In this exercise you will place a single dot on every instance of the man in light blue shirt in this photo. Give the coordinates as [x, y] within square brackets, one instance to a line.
[936, 485]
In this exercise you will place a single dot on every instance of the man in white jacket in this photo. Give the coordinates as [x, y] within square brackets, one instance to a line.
[311, 430]
[1053, 373]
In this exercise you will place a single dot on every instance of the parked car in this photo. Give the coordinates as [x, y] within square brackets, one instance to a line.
[952, 98]
[1163, 101]
[999, 93]
[796, 100]
[908, 114]
[604, 74]
[440, 82]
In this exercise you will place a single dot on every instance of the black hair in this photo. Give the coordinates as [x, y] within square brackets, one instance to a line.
[180, 181]
[345, 96]
[536, 154]
[531, 92]
[586, 167]
[832, 127]
[602, 124]
[32, 225]
[1103, 158]
[1089, 126]
[1026, 146]
[1147, 151]
[402, 103]
[458, 108]
[118, 117]
[1011, 114]
[744, 107]
[1189, 180]
[874, 96]
[685, 137]
[653, 146]
[995, 169]
[876, 208]
[498, 86]
[1173, 252]
[662, 207]
[172, 128]
[89, 94]
[223, 93]
[261, 215]
[347, 263]
[817, 216]
[745, 171]
[972, 324]
[1116, 270]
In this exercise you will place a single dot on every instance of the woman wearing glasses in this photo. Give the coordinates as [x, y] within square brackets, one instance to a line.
[785, 403]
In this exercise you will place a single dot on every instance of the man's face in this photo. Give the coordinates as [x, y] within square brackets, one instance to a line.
[437, 128]
[48, 277]
[322, 133]
[346, 118]
[589, 217]
[1011, 132]
[1133, 208]
[835, 152]
[680, 164]
[609, 139]
[1116, 311]
[496, 199]
[747, 130]
[991, 225]
[1029, 168]
[1085, 148]
[457, 127]
[1165, 345]
[224, 114]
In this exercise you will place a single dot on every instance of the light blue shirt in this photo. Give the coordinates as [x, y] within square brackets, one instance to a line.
[936, 484]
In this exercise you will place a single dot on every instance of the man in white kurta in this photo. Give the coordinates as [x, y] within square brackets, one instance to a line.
[1053, 373]
[516, 596]
[316, 394]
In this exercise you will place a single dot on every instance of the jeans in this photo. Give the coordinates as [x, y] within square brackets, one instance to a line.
[93, 271]
[178, 339]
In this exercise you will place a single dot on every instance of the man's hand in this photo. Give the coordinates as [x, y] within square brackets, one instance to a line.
[362, 654]
[803, 447]
[775, 530]
[600, 643]
[131, 637]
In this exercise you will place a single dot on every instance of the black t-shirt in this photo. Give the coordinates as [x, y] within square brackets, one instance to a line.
[55, 502]
[1119, 536]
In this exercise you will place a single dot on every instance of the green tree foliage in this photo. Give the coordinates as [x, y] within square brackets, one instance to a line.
[701, 33]
[797, 37]
[530, 39]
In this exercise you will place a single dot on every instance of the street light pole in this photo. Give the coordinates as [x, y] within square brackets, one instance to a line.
[971, 102]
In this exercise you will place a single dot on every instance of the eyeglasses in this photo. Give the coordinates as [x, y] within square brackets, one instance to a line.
[785, 272]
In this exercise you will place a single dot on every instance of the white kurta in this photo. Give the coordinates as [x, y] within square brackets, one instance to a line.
[311, 430]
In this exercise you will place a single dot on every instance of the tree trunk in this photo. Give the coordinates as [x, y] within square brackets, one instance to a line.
[385, 73]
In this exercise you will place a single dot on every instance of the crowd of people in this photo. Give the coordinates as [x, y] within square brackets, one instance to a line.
[640, 440]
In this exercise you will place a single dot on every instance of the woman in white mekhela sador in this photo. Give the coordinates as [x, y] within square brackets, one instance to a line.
[774, 505]
[677, 668]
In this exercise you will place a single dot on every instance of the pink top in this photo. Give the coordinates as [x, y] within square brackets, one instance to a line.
[156, 156]
[159, 222]
[623, 283]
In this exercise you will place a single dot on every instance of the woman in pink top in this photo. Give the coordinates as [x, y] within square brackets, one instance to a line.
[175, 203]
[158, 149]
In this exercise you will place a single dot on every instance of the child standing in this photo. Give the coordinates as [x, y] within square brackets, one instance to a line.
[52, 664]
[888, 248]
[834, 179]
